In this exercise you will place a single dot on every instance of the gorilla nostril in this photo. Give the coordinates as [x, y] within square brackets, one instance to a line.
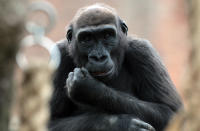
[98, 59]
[102, 58]
[94, 58]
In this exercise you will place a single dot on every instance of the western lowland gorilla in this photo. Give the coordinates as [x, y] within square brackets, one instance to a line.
[109, 81]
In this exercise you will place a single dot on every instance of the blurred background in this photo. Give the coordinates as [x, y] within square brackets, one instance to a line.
[163, 22]
[172, 26]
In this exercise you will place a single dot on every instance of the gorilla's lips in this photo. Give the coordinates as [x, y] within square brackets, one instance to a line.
[98, 73]
[104, 73]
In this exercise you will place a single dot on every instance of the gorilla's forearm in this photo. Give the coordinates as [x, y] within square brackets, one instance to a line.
[83, 122]
[103, 97]
[99, 121]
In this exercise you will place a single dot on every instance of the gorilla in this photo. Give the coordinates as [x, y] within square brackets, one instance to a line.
[109, 81]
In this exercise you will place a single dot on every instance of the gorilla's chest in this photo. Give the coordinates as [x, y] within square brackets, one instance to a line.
[124, 82]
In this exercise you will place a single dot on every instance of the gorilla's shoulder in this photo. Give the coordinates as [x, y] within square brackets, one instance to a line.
[62, 46]
[141, 45]
[134, 42]
[64, 52]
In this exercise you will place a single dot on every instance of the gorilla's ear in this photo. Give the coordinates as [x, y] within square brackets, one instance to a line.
[69, 34]
[123, 27]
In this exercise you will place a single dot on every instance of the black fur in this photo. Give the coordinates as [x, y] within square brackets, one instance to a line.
[138, 95]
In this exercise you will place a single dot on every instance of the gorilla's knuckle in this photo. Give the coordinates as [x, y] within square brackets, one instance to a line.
[75, 82]
[136, 123]
[70, 74]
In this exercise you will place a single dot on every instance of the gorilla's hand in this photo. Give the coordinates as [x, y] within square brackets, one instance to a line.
[124, 122]
[82, 88]
[80, 84]
[138, 125]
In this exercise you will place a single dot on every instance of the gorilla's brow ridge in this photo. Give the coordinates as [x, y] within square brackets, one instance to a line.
[98, 28]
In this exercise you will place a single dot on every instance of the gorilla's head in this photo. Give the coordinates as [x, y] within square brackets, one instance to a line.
[96, 39]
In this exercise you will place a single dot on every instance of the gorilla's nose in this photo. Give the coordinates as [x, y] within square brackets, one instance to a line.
[98, 59]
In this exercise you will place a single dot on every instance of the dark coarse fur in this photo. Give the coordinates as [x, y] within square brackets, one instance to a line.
[139, 95]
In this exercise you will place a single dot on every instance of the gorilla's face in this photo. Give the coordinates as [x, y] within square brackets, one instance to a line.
[96, 43]
[95, 40]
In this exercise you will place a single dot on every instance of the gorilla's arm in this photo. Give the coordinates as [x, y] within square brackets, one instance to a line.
[96, 94]
[61, 106]
[157, 99]
[99, 122]
[63, 116]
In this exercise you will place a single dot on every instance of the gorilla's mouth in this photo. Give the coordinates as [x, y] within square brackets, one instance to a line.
[105, 73]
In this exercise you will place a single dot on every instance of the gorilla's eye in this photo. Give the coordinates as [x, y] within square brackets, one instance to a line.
[85, 37]
[106, 35]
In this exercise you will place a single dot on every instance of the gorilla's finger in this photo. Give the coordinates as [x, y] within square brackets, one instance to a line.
[69, 79]
[76, 69]
[84, 71]
[143, 130]
[146, 126]
[77, 73]
[142, 124]
[67, 83]
[70, 74]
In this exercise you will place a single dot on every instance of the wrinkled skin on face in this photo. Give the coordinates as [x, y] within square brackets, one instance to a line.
[96, 42]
